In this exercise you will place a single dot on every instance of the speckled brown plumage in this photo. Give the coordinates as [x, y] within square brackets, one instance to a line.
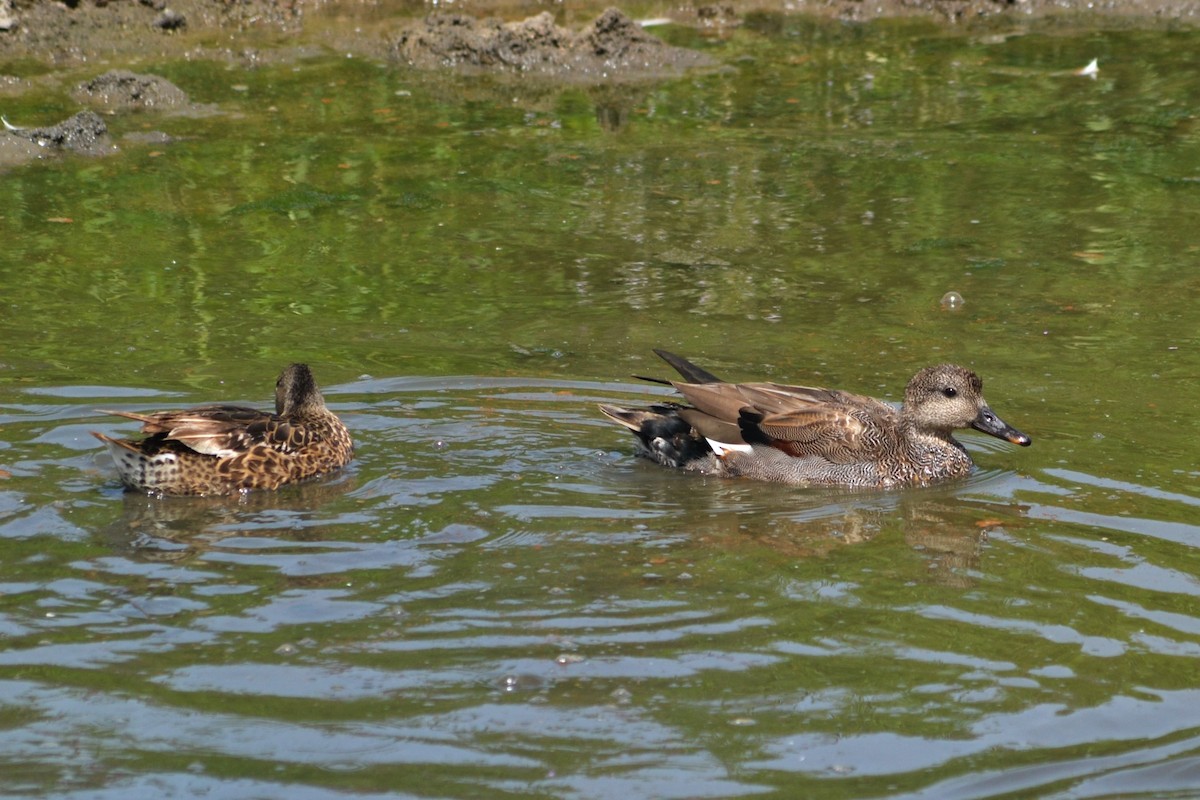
[809, 436]
[223, 449]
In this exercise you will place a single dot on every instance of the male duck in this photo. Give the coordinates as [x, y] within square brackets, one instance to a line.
[808, 436]
[222, 449]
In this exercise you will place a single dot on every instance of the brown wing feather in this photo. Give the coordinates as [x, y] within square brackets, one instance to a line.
[774, 398]
[778, 398]
[217, 430]
[221, 431]
[813, 426]
[722, 401]
[836, 436]
[802, 421]
[841, 430]
[712, 428]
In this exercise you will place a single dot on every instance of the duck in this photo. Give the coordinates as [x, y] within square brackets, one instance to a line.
[809, 436]
[229, 449]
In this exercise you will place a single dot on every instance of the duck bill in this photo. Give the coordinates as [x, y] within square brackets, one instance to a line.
[992, 425]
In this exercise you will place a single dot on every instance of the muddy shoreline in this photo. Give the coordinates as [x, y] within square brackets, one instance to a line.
[116, 31]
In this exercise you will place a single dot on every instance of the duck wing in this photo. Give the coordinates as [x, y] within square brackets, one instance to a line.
[802, 421]
[716, 410]
[223, 431]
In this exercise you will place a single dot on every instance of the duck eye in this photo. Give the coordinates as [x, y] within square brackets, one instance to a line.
[950, 391]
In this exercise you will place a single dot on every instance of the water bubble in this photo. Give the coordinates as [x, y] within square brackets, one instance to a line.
[952, 301]
[522, 682]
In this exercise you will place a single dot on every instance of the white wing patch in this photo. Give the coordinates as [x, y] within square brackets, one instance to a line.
[721, 449]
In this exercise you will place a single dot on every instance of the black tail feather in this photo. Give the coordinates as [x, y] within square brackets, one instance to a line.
[687, 369]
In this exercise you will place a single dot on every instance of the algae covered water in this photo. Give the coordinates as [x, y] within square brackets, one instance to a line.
[498, 598]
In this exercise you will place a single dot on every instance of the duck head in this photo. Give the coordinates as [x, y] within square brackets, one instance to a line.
[947, 397]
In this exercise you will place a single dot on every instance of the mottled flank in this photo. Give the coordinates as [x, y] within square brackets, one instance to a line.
[223, 449]
[822, 437]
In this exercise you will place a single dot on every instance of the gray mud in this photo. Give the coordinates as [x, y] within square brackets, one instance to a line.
[121, 90]
[612, 47]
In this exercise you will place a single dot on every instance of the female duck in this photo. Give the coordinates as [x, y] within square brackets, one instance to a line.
[809, 436]
[223, 449]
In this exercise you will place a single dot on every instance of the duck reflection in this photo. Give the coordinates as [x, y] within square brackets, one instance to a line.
[946, 530]
[151, 529]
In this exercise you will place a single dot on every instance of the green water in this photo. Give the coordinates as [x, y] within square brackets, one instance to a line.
[498, 599]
